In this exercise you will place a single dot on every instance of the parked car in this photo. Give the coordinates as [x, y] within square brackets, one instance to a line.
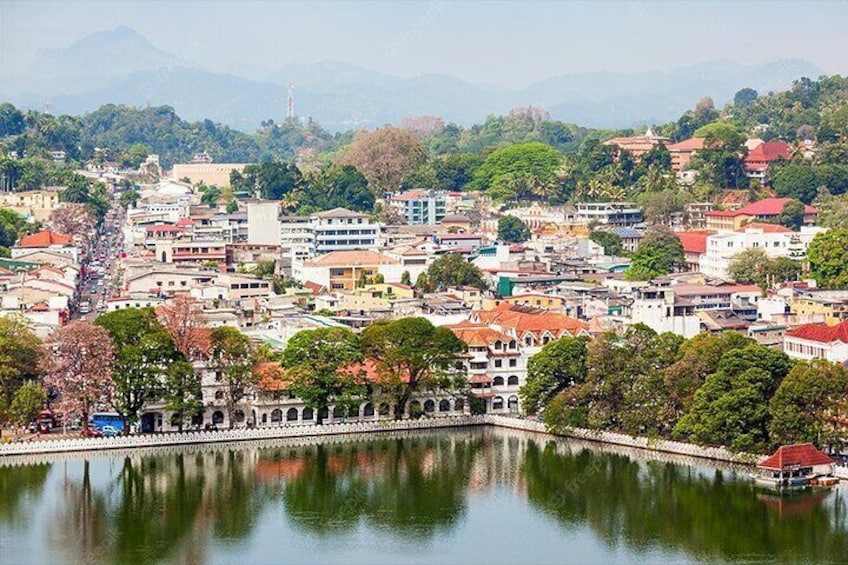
[92, 432]
[109, 431]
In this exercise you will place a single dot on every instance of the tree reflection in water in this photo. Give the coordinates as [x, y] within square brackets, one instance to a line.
[410, 486]
[194, 506]
[652, 504]
[20, 488]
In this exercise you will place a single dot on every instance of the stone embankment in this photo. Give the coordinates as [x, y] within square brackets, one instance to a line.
[46, 446]
[624, 440]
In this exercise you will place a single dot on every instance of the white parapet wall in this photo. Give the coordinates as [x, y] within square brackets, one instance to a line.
[229, 436]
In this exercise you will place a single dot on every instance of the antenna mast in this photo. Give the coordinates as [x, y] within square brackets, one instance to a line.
[290, 101]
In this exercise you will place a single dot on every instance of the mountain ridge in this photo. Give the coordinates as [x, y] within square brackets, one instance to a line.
[341, 95]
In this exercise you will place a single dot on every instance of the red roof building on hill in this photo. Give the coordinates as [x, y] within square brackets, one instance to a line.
[682, 152]
[765, 210]
[44, 238]
[799, 455]
[758, 159]
[818, 341]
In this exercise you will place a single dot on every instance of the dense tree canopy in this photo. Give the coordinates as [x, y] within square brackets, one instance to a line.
[523, 170]
[452, 270]
[828, 258]
[659, 253]
[512, 230]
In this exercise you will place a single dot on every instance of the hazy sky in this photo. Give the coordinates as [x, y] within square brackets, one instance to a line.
[485, 42]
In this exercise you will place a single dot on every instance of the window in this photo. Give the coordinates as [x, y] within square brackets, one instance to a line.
[498, 363]
[513, 362]
[512, 380]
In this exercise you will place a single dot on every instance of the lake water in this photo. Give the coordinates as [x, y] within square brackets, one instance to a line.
[461, 496]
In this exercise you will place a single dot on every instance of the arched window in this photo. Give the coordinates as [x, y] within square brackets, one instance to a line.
[308, 415]
[444, 405]
[368, 411]
[291, 415]
[512, 403]
[497, 403]
[498, 381]
[429, 406]
[276, 415]
[415, 409]
[264, 418]
[512, 380]
[528, 341]
[175, 420]
[325, 413]
[217, 417]
[339, 411]
[459, 405]
[238, 416]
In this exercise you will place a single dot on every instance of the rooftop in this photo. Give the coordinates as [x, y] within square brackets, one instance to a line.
[821, 332]
[44, 239]
[797, 455]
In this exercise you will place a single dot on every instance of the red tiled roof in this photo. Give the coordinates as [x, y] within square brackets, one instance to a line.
[694, 241]
[770, 207]
[765, 207]
[534, 321]
[821, 332]
[45, 238]
[767, 228]
[800, 454]
[479, 335]
[691, 144]
[768, 152]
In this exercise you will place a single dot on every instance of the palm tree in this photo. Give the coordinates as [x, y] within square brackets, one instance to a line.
[290, 201]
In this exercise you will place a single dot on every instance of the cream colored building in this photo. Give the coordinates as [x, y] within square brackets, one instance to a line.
[217, 174]
[38, 204]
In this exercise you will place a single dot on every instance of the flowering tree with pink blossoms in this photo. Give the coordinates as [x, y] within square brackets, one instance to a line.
[78, 367]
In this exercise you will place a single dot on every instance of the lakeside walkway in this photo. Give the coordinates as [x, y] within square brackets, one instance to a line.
[47, 446]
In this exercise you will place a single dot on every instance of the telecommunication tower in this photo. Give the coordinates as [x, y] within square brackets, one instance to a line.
[290, 101]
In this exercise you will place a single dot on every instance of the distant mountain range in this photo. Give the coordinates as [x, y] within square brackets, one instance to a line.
[122, 67]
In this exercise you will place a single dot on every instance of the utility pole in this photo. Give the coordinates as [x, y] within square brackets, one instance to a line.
[290, 101]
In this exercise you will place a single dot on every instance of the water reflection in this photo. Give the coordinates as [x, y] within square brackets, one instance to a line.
[197, 505]
[655, 504]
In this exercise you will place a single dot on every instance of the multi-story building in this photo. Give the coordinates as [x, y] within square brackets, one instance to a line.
[663, 311]
[758, 160]
[420, 206]
[774, 240]
[495, 365]
[831, 304]
[36, 204]
[344, 230]
[344, 270]
[619, 214]
[191, 252]
[682, 152]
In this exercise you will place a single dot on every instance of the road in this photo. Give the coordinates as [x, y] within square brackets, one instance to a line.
[101, 279]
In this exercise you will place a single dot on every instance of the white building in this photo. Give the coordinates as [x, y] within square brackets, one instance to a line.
[818, 341]
[344, 230]
[420, 206]
[263, 223]
[662, 311]
[776, 241]
[619, 214]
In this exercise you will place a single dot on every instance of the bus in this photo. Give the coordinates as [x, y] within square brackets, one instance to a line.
[100, 419]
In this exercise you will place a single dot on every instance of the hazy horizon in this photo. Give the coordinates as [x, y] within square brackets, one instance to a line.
[497, 43]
